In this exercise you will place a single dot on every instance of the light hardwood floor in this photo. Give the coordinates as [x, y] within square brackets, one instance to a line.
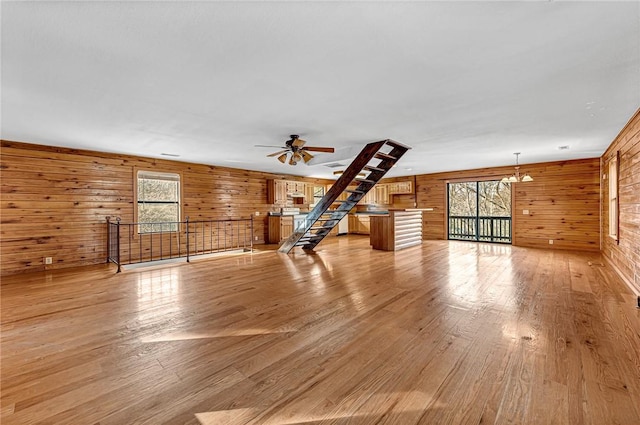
[444, 333]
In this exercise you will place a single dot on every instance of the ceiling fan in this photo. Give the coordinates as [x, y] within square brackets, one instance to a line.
[299, 152]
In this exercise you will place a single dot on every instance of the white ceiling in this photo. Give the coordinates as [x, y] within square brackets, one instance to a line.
[465, 84]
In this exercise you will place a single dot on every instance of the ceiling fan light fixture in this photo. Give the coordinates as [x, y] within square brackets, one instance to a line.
[297, 150]
[295, 158]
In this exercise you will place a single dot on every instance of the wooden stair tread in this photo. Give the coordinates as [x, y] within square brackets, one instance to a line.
[382, 155]
[397, 144]
[372, 168]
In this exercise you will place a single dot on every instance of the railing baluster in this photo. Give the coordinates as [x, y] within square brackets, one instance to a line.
[187, 225]
[195, 237]
[151, 244]
[485, 228]
[118, 243]
[108, 240]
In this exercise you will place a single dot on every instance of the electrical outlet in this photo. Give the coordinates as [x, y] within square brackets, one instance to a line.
[550, 241]
[256, 238]
[525, 212]
[48, 260]
[257, 213]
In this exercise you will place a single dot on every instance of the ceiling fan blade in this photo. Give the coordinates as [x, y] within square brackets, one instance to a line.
[270, 146]
[278, 153]
[298, 143]
[306, 156]
[319, 149]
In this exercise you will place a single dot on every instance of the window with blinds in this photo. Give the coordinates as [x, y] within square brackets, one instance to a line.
[158, 201]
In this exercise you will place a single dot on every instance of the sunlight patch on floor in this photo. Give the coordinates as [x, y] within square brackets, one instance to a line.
[414, 401]
[221, 416]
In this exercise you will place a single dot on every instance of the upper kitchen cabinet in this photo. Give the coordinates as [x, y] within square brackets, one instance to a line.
[382, 194]
[277, 192]
[378, 195]
[400, 188]
[344, 195]
[283, 192]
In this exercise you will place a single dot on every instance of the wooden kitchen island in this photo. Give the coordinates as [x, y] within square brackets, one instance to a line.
[401, 228]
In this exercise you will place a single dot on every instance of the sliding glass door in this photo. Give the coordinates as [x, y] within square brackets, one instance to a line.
[479, 211]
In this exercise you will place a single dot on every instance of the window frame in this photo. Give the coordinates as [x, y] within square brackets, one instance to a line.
[317, 199]
[614, 197]
[136, 201]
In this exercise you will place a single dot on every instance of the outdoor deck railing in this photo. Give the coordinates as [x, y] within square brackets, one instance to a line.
[132, 243]
[484, 229]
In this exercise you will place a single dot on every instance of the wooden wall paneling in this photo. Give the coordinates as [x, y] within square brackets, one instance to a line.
[55, 201]
[563, 203]
[624, 255]
[431, 193]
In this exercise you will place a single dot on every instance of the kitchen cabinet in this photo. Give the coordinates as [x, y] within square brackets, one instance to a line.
[308, 194]
[400, 188]
[382, 194]
[295, 187]
[280, 227]
[359, 224]
[379, 195]
[280, 192]
[277, 192]
[369, 198]
[343, 196]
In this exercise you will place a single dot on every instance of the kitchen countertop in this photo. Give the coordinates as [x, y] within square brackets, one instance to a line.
[371, 213]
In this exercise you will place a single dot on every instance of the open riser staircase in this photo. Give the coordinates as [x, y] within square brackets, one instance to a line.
[375, 159]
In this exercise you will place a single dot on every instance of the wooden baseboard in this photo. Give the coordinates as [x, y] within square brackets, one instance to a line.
[622, 277]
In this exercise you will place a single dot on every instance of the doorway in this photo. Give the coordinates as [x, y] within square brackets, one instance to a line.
[479, 211]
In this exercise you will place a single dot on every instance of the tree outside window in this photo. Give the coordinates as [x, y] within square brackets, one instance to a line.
[158, 201]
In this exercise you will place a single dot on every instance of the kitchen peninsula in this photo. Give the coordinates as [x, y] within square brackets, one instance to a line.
[401, 228]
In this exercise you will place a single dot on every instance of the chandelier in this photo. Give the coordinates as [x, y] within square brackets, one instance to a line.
[516, 177]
